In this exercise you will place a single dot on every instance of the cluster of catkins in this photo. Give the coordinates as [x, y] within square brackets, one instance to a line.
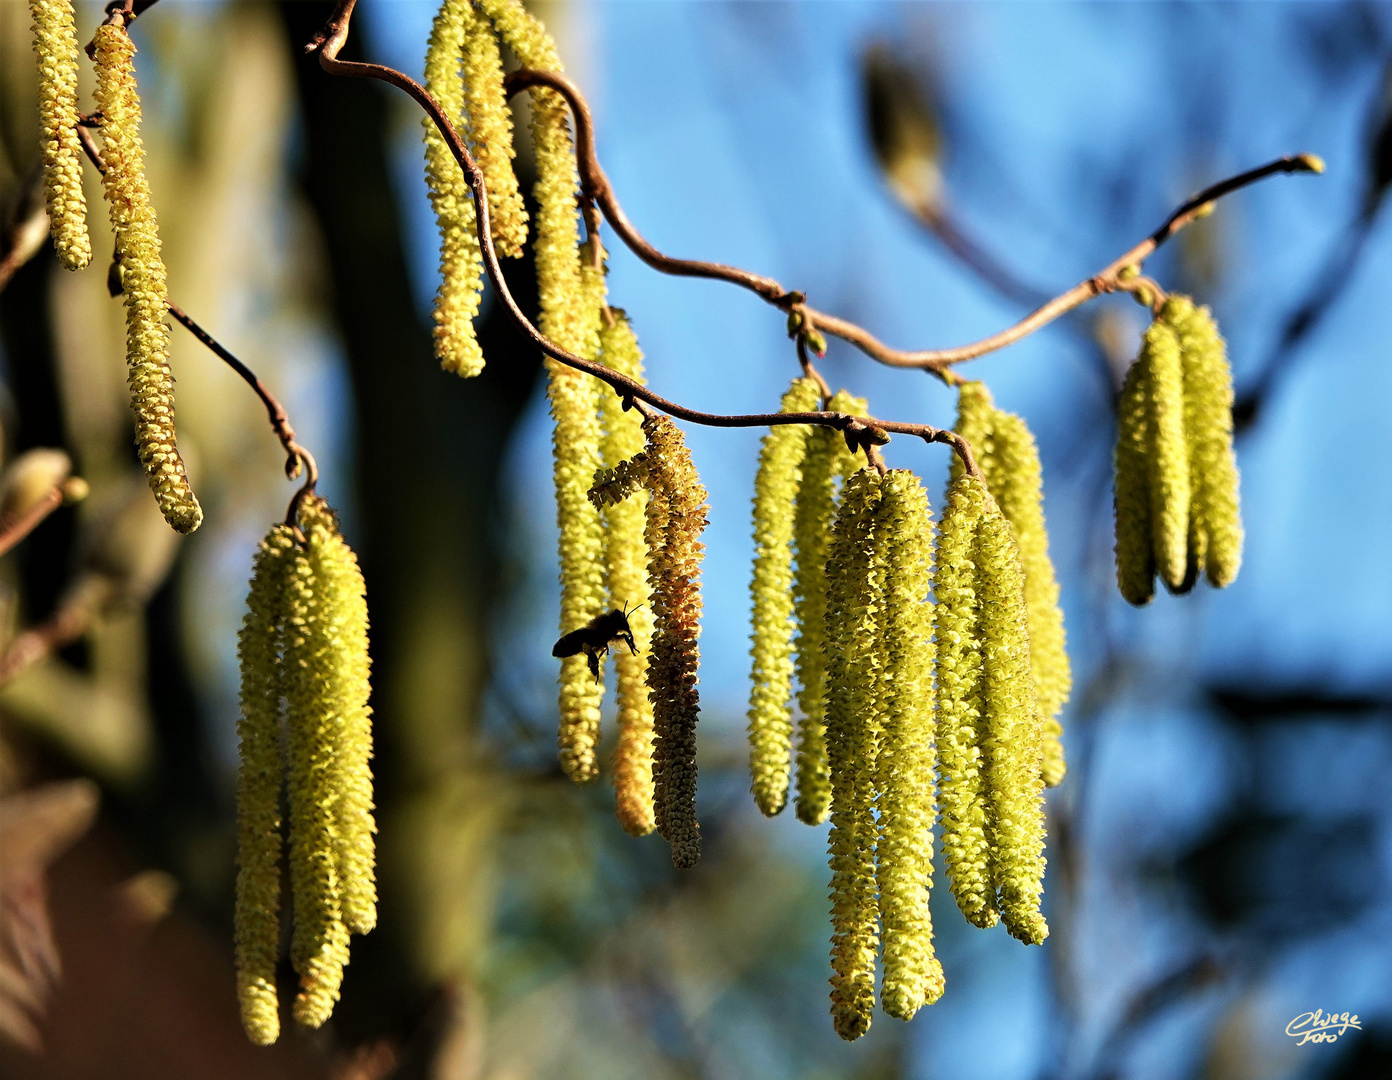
[627, 535]
[901, 698]
[305, 727]
[1176, 478]
[142, 274]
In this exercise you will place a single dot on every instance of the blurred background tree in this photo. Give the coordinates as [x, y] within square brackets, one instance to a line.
[1220, 853]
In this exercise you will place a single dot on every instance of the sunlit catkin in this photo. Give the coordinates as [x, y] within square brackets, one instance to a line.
[319, 946]
[55, 45]
[1135, 552]
[1009, 459]
[1015, 481]
[1167, 452]
[490, 135]
[1215, 525]
[771, 598]
[1011, 752]
[675, 517]
[259, 779]
[961, 714]
[626, 563]
[855, 574]
[826, 460]
[904, 763]
[342, 688]
[137, 238]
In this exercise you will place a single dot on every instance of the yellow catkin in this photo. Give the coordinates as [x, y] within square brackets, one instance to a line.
[960, 708]
[771, 599]
[1215, 527]
[1005, 451]
[570, 318]
[1135, 552]
[676, 515]
[626, 561]
[614, 485]
[1016, 482]
[904, 765]
[1013, 745]
[319, 946]
[855, 657]
[490, 134]
[55, 46]
[826, 459]
[1167, 452]
[461, 262]
[342, 685]
[137, 238]
[259, 777]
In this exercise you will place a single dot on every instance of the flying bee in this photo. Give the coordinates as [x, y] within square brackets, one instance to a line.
[594, 637]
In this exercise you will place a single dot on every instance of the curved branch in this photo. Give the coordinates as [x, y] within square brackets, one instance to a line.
[595, 186]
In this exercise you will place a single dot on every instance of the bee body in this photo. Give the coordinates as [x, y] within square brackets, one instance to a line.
[593, 639]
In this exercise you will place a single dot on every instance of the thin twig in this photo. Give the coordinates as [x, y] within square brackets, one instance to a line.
[12, 532]
[27, 228]
[595, 185]
[296, 456]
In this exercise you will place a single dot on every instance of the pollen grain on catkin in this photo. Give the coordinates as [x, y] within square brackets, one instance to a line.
[143, 279]
[904, 764]
[461, 261]
[855, 573]
[825, 462]
[675, 517]
[56, 49]
[626, 563]
[776, 485]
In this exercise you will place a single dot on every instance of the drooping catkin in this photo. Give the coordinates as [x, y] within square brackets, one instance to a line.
[342, 687]
[1215, 525]
[490, 136]
[626, 561]
[904, 764]
[675, 517]
[1013, 744]
[143, 279]
[259, 777]
[1167, 452]
[1135, 551]
[961, 715]
[461, 262]
[771, 597]
[855, 574]
[1006, 453]
[319, 945]
[1016, 482]
[826, 460]
[55, 46]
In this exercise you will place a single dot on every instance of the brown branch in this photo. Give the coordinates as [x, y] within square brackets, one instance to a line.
[74, 615]
[858, 431]
[13, 530]
[27, 228]
[595, 185]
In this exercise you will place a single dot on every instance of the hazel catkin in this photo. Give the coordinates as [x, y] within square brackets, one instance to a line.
[461, 262]
[490, 133]
[626, 563]
[904, 762]
[675, 517]
[1167, 452]
[855, 570]
[1135, 551]
[56, 49]
[259, 777]
[771, 597]
[825, 462]
[961, 715]
[143, 280]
